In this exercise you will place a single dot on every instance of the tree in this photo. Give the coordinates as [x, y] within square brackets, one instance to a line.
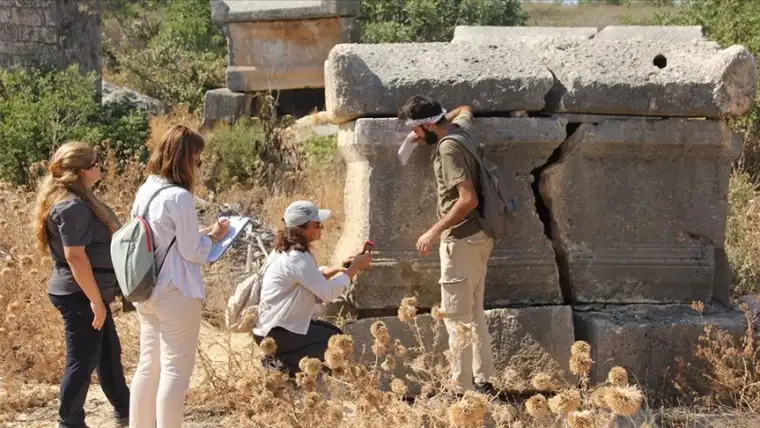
[397, 21]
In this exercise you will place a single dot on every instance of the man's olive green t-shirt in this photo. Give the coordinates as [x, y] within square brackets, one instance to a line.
[453, 164]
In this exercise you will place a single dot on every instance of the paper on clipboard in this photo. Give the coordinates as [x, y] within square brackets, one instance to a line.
[407, 147]
[237, 225]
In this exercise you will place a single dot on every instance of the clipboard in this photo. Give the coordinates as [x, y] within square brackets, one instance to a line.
[237, 225]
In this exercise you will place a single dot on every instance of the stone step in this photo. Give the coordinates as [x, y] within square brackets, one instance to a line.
[647, 339]
[622, 77]
[525, 341]
[393, 204]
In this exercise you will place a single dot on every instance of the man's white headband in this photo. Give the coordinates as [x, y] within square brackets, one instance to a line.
[417, 122]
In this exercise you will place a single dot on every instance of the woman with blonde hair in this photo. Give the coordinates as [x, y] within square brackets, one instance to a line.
[74, 228]
[170, 320]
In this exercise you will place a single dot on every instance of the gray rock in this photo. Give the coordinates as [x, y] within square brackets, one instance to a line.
[496, 34]
[114, 93]
[639, 207]
[671, 33]
[646, 340]
[393, 205]
[525, 341]
[649, 77]
[376, 79]
[224, 11]
[223, 105]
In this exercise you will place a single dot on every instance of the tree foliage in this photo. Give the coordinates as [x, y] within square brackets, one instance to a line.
[397, 21]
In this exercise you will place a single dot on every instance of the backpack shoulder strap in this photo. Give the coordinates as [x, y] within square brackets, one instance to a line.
[461, 141]
[153, 196]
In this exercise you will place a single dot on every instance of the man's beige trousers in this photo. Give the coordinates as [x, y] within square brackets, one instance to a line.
[463, 275]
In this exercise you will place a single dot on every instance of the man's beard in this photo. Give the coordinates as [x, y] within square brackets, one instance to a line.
[430, 137]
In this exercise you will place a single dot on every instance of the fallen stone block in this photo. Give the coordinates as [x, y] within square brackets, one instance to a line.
[223, 105]
[362, 81]
[671, 33]
[224, 11]
[495, 34]
[649, 77]
[646, 340]
[393, 205]
[525, 342]
[275, 55]
[639, 206]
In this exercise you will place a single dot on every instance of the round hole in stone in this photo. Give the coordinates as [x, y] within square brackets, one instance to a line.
[660, 61]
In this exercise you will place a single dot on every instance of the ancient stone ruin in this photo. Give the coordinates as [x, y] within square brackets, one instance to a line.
[278, 46]
[619, 144]
[53, 33]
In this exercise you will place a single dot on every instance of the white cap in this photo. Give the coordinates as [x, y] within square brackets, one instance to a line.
[301, 212]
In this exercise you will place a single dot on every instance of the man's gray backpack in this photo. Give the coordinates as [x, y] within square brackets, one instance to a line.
[496, 208]
[133, 253]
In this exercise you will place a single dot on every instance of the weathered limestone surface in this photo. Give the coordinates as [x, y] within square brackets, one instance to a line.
[265, 10]
[56, 33]
[639, 208]
[225, 105]
[649, 77]
[525, 341]
[361, 80]
[393, 205]
[491, 34]
[284, 54]
[675, 33]
[620, 77]
[647, 339]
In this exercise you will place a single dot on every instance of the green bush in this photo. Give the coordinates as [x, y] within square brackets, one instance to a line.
[234, 150]
[171, 51]
[395, 21]
[320, 150]
[743, 234]
[39, 111]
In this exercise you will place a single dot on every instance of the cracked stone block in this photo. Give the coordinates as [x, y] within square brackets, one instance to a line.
[671, 33]
[393, 205]
[277, 55]
[360, 81]
[647, 339]
[525, 341]
[649, 77]
[639, 207]
[223, 105]
[224, 11]
[495, 34]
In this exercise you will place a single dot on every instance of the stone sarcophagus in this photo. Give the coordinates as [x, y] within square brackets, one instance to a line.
[275, 45]
[393, 204]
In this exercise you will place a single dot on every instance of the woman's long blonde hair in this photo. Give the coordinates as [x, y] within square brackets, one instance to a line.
[62, 182]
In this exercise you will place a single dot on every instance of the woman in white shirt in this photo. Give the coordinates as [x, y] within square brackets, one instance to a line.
[170, 320]
[293, 287]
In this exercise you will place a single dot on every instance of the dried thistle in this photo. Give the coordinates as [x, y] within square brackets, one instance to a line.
[268, 346]
[342, 342]
[538, 407]
[379, 349]
[401, 350]
[335, 358]
[398, 387]
[312, 400]
[583, 419]
[469, 411]
[580, 364]
[597, 397]
[565, 402]
[624, 400]
[437, 313]
[407, 312]
[581, 348]
[380, 332]
[618, 376]
[310, 366]
[389, 364]
[542, 382]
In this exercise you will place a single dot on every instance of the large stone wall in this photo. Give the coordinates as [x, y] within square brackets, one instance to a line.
[620, 170]
[54, 33]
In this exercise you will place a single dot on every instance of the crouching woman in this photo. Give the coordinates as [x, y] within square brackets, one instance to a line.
[293, 286]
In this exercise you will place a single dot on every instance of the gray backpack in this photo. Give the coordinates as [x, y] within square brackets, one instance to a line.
[133, 255]
[496, 208]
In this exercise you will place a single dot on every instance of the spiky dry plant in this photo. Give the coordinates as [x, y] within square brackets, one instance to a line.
[543, 382]
[581, 362]
[407, 312]
[469, 412]
[437, 314]
[581, 419]
[398, 387]
[537, 407]
[617, 376]
[623, 400]
[268, 346]
[565, 402]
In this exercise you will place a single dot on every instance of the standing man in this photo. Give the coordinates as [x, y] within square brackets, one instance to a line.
[464, 247]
